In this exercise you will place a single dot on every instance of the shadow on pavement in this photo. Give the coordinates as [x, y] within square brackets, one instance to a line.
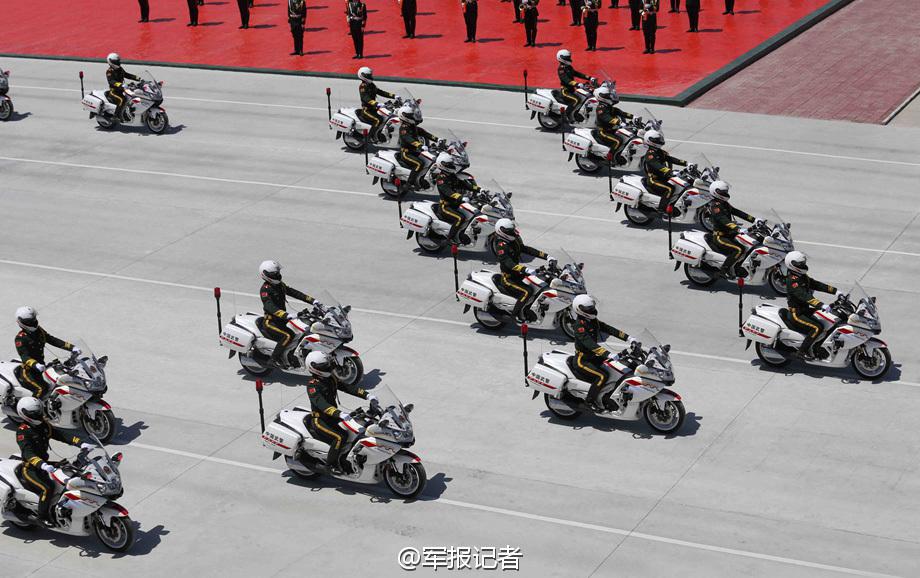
[638, 428]
[17, 116]
[846, 375]
[89, 546]
[142, 130]
[125, 434]
[377, 493]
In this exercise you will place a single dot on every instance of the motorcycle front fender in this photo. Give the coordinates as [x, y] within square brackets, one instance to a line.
[112, 510]
[342, 352]
[875, 343]
[664, 396]
[404, 457]
[95, 405]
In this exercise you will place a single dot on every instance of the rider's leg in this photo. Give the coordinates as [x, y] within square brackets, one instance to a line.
[571, 103]
[118, 99]
[36, 480]
[804, 322]
[282, 338]
[662, 188]
[518, 290]
[32, 380]
[610, 139]
[325, 432]
[733, 253]
[454, 218]
[371, 118]
[414, 165]
[591, 373]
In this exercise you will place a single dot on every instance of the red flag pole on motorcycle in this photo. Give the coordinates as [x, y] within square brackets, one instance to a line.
[261, 407]
[525, 88]
[524, 329]
[740, 306]
[366, 146]
[82, 94]
[454, 249]
[610, 173]
[217, 298]
[670, 209]
[329, 104]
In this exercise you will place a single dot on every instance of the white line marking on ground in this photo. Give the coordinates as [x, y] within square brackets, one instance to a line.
[365, 194]
[556, 521]
[523, 126]
[408, 316]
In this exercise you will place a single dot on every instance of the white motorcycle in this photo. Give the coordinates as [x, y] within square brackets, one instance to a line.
[645, 375]
[765, 248]
[323, 328]
[6, 103]
[690, 200]
[480, 214]
[74, 399]
[143, 107]
[82, 503]
[355, 131]
[394, 177]
[377, 439]
[591, 156]
[849, 330]
[548, 106]
[553, 287]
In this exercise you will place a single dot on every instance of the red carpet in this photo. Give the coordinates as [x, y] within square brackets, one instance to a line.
[91, 29]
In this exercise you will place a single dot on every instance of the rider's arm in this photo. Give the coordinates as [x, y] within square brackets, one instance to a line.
[816, 285]
[528, 250]
[800, 292]
[385, 94]
[622, 113]
[585, 342]
[408, 140]
[133, 77]
[580, 75]
[722, 218]
[448, 193]
[55, 342]
[65, 437]
[654, 165]
[300, 295]
[677, 161]
[613, 331]
[742, 215]
[354, 390]
[424, 133]
[319, 403]
[22, 348]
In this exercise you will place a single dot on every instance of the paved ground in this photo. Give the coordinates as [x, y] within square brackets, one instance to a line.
[119, 237]
[859, 64]
[909, 115]
[438, 51]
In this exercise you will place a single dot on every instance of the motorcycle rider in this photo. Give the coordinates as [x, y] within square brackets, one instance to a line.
[802, 302]
[590, 355]
[568, 79]
[509, 249]
[326, 416]
[274, 295]
[453, 190]
[33, 436]
[369, 93]
[609, 119]
[412, 138]
[116, 75]
[30, 345]
[657, 166]
[725, 229]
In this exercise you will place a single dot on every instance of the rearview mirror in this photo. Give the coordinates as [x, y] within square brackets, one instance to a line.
[117, 458]
[409, 407]
[103, 360]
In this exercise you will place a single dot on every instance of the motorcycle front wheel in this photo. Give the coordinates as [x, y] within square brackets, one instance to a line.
[567, 323]
[560, 409]
[704, 216]
[406, 485]
[493, 245]
[639, 216]
[118, 535]
[699, 276]
[158, 124]
[351, 372]
[770, 356]
[873, 366]
[587, 164]
[102, 426]
[668, 420]
[354, 141]
[548, 121]
[6, 109]
[431, 244]
[253, 367]
[778, 281]
[487, 320]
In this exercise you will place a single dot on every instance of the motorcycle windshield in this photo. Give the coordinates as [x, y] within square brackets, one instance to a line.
[106, 479]
[651, 121]
[501, 200]
[393, 413]
[657, 356]
[4, 80]
[708, 172]
[457, 150]
[865, 305]
[781, 229]
[333, 315]
[83, 371]
[572, 270]
[150, 86]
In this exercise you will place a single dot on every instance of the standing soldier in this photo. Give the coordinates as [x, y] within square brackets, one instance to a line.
[470, 14]
[192, 13]
[576, 6]
[635, 10]
[297, 17]
[591, 22]
[409, 10]
[614, 3]
[530, 13]
[518, 16]
[675, 6]
[145, 10]
[729, 7]
[650, 25]
[356, 15]
[693, 14]
[243, 5]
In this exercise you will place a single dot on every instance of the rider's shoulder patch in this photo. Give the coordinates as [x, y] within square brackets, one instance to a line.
[311, 390]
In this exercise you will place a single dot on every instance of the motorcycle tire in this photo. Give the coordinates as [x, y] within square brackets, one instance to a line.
[118, 537]
[103, 427]
[566, 323]
[778, 281]
[863, 372]
[105, 122]
[6, 109]
[704, 217]
[392, 190]
[253, 368]
[555, 407]
[587, 164]
[157, 125]
[355, 376]
[639, 216]
[354, 141]
[407, 485]
[772, 360]
[431, 243]
[492, 243]
[489, 322]
[702, 277]
[650, 412]
[549, 121]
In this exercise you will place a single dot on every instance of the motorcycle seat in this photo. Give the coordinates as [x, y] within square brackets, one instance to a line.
[557, 94]
[785, 316]
[260, 325]
[497, 279]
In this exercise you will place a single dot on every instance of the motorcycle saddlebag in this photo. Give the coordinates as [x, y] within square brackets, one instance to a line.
[93, 103]
[341, 123]
[236, 338]
[761, 330]
[474, 294]
[687, 252]
[280, 438]
[576, 144]
[416, 221]
[538, 103]
[626, 194]
[545, 379]
[380, 167]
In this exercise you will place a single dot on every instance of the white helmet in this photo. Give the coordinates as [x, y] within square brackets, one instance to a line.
[605, 95]
[318, 364]
[505, 229]
[719, 190]
[564, 56]
[271, 271]
[447, 164]
[410, 114]
[585, 306]
[365, 74]
[113, 59]
[654, 139]
[27, 318]
[797, 261]
[30, 410]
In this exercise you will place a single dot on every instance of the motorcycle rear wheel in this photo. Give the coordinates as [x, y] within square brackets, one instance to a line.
[6, 109]
[699, 276]
[771, 357]
[560, 409]
[548, 121]
[488, 322]
[103, 427]
[874, 367]
[104, 121]
[392, 190]
[354, 141]
[407, 485]
[252, 367]
[675, 412]
[119, 536]
[430, 244]
[587, 164]
[638, 216]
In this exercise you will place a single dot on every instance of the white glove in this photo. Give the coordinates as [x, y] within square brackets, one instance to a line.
[759, 222]
[839, 295]
[552, 261]
[632, 341]
[40, 367]
[742, 231]
[87, 446]
[344, 416]
[47, 467]
[530, 271]
[76, 351]
[318, 304]
[826, 308]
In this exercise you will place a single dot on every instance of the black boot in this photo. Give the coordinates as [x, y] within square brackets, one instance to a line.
[278, 357]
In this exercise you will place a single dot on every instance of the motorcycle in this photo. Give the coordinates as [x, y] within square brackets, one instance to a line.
[765, 248]
[83, 499]
[849, 328]
[354, 130]
[548, 106]
[394, 177]
[554, 288]
[143, 106]
[480, 214]
[322, 327]
[74, 399]
[377, 439]
[689, 201]
[590, 155]
[643, 374]
[6, 103]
